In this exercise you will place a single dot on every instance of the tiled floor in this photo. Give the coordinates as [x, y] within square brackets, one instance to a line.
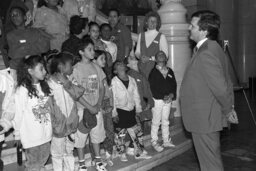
[238, 145]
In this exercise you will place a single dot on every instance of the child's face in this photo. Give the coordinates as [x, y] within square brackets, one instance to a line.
[120, 68]
[37, 73]
[161, 57]
[17, 17]
[101, 60]
[67, 68]
[132, 61]
[52, 3]
[88, 52]
[106, 33]
[94, 32]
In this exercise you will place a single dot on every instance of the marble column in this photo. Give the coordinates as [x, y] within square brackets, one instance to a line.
[175, 28]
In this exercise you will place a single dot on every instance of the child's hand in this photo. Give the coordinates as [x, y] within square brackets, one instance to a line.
[144, 59]
[147, 107]
[115, 119]
[108, 109]
[62, 78]
[168, 99]
[93, 109]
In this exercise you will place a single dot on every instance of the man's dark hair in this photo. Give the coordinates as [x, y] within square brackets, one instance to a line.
[77, 24]
[115, 10]
[208, 21]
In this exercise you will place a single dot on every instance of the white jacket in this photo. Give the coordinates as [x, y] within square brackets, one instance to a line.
[124, 98]
[6, 95]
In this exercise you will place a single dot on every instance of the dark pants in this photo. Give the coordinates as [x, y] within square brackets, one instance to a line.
[208, 151]
[1, 161]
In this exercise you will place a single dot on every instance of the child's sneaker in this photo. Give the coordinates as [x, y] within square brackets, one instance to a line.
[82, 166]
[168, 143]
[157, 147]
[123, 157]
[144, 152]
[100, 166]
[109, 159]
[142, 156]
[130, 151]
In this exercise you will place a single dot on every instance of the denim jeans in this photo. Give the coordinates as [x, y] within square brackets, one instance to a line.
[37, 157]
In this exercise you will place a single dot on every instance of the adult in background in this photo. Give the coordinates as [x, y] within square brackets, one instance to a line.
[121, 35]
[206, 92]
[78, 27]
[150, 42]
[84, 8]
[51, 17]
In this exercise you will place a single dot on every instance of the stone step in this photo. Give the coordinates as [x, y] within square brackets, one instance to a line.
[9, 155]
[180, 140]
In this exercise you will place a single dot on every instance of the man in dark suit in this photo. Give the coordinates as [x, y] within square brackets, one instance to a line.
[206, 92]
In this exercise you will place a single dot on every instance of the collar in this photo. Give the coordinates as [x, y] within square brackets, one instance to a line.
[152, 31]
[199, 44]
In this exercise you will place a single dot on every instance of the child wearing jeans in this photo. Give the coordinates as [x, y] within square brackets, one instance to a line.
[163, 87]
[126, 106]
[65, 118]
[32, 119]
[91, 77]
[107, 107]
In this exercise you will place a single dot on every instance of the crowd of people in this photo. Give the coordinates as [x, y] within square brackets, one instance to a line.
[69, 81]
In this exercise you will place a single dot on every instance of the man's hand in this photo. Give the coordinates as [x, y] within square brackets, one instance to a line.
[232, 117]
[115, 119]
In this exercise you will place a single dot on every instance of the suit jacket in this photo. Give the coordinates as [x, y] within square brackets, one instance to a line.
[206, 92]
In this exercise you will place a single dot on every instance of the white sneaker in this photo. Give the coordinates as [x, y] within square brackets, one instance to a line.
[145, 152]
[82, 168]
[123, 157]
[157, 147]
[142, 156]
[109, 159]
[168, 143]
[130, 151]
[100, 166]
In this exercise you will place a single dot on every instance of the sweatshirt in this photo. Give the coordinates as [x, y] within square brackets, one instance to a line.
[32, 119]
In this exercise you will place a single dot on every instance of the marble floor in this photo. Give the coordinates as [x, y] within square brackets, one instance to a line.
[238, 144]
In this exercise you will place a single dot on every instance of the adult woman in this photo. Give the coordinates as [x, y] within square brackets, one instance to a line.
[51, 18]
[84, 8]
[150, 42]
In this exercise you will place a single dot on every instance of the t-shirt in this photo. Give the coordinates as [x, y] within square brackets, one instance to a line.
[90, 76]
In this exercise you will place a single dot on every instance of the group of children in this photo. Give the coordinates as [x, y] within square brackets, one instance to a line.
[56, 103]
